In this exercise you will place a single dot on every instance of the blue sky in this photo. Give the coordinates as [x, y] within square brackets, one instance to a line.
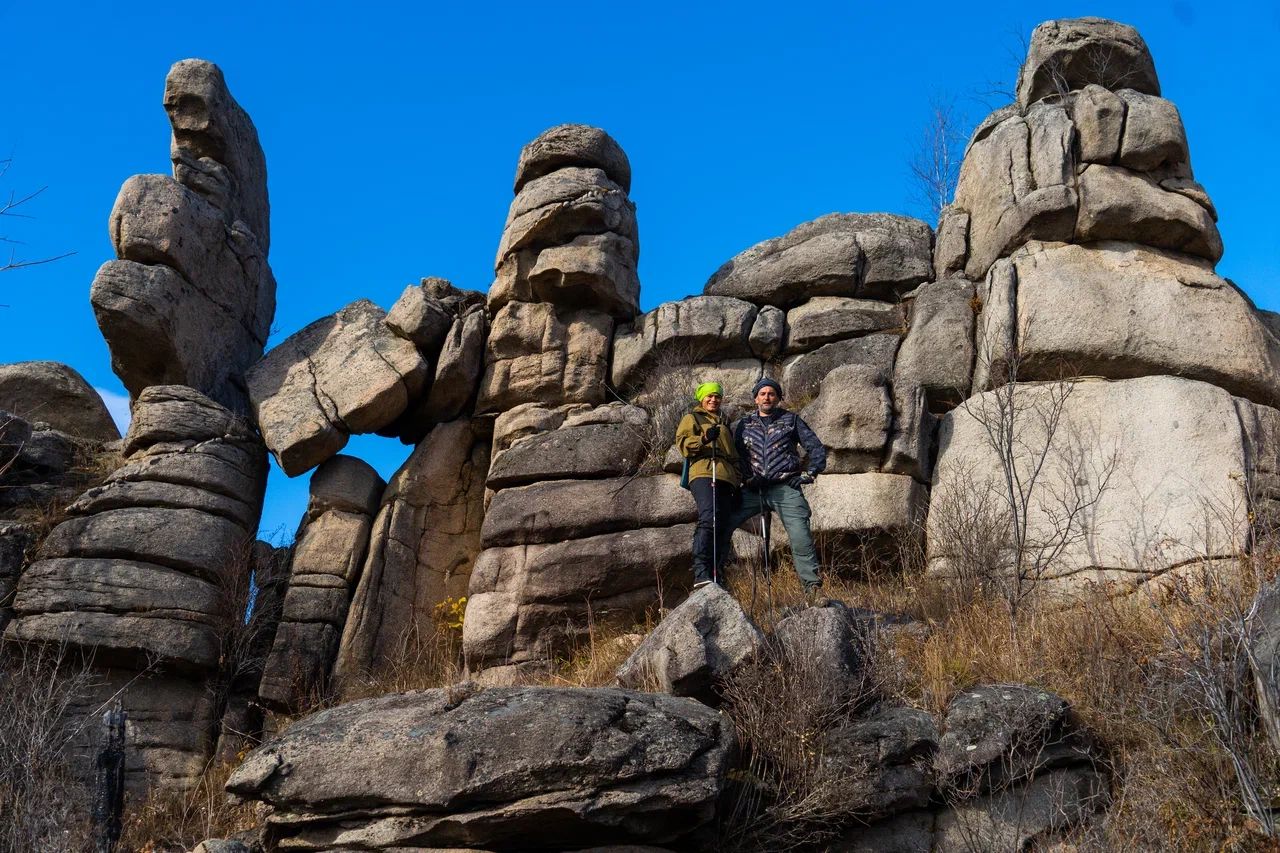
[392, 132]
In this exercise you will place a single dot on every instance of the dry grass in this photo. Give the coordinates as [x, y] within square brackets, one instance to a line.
[179, 820]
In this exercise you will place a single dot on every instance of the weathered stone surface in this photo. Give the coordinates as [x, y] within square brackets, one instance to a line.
[874, 256]
[853, 416]
[1117, 204]
[564, 204]
[768, 332]
[951, 249]
[536, 355]
[914, 433]
[802, 374]
[1004, 732]
[1158, 495]
[573, 145]
[571, 452]
[1098, 115]
[1016, 184]
[1153, 135]
[423, 543]
[529, 602]
[911, 832]
[890, 748]
[695, 647]
[937, 353]
[865, 504]
[57, 395]
[215, 149]
[220, 278]
[343, 374]
[695, 330]
[619, 764]
[525, 420]
[824, 319]
[1120, 310]
[1069, 54]
[425, 312]
[567, 509]
[457, 372]
[595, 271]
[138, 568]
[1019, 817]
[827, 640]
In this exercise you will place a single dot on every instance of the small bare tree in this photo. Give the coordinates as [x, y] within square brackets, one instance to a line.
[935, 165]
[1052, 474]
[12, 207]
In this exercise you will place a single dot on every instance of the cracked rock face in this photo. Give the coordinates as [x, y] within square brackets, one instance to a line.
[343, 374]
[422, 544]
[191, 297]
[451, 767]
[327, 557]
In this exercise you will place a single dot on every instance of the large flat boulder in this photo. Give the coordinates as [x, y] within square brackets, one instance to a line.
[569, 509]
[825, 319]
[57, 395]
[1121, 310]
[853, 416]
[1119, 204]
[497, 768]
[570, 453]
[872, 255]
[1156, 466]
[553, 209]
[343, 374]
[695, 330]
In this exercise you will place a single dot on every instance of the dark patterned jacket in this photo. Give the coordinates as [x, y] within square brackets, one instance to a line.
[767, 446]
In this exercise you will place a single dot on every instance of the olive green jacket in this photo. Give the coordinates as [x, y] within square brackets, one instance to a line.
[692, 447]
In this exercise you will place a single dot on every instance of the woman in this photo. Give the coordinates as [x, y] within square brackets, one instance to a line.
[704, 440]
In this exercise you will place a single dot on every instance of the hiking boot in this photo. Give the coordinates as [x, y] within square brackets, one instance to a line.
[813, 597]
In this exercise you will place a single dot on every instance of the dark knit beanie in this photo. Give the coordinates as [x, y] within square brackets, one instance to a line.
[766, 382]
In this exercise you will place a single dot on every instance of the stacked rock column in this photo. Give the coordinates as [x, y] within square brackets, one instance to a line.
[1089, 250]
[571, 536]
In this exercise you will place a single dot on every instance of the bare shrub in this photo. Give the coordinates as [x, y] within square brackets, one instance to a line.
[787, 794]
[44, 801]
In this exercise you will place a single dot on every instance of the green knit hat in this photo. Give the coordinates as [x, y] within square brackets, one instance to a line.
[707, 388]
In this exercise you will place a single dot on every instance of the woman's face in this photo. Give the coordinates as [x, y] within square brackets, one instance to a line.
[711, 403]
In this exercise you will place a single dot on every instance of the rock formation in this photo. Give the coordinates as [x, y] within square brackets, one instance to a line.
[328, 554]
[1088, 248]
[191, 297]
[493, 769]
[56, 395]
[147, 573]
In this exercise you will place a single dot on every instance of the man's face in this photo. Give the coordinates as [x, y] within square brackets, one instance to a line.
[766, 399]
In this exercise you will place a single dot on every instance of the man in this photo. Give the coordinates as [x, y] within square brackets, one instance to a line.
[767, 445]
[705, 442]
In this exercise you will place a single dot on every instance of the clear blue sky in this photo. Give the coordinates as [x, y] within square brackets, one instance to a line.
[392, 131]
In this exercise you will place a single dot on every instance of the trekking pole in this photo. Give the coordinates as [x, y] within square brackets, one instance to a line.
[715, 532]
[766, 528]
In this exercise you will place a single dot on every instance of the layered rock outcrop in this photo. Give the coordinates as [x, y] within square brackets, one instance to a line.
[191, 297]
[328, 554]
[501, 769]
[143, 574]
